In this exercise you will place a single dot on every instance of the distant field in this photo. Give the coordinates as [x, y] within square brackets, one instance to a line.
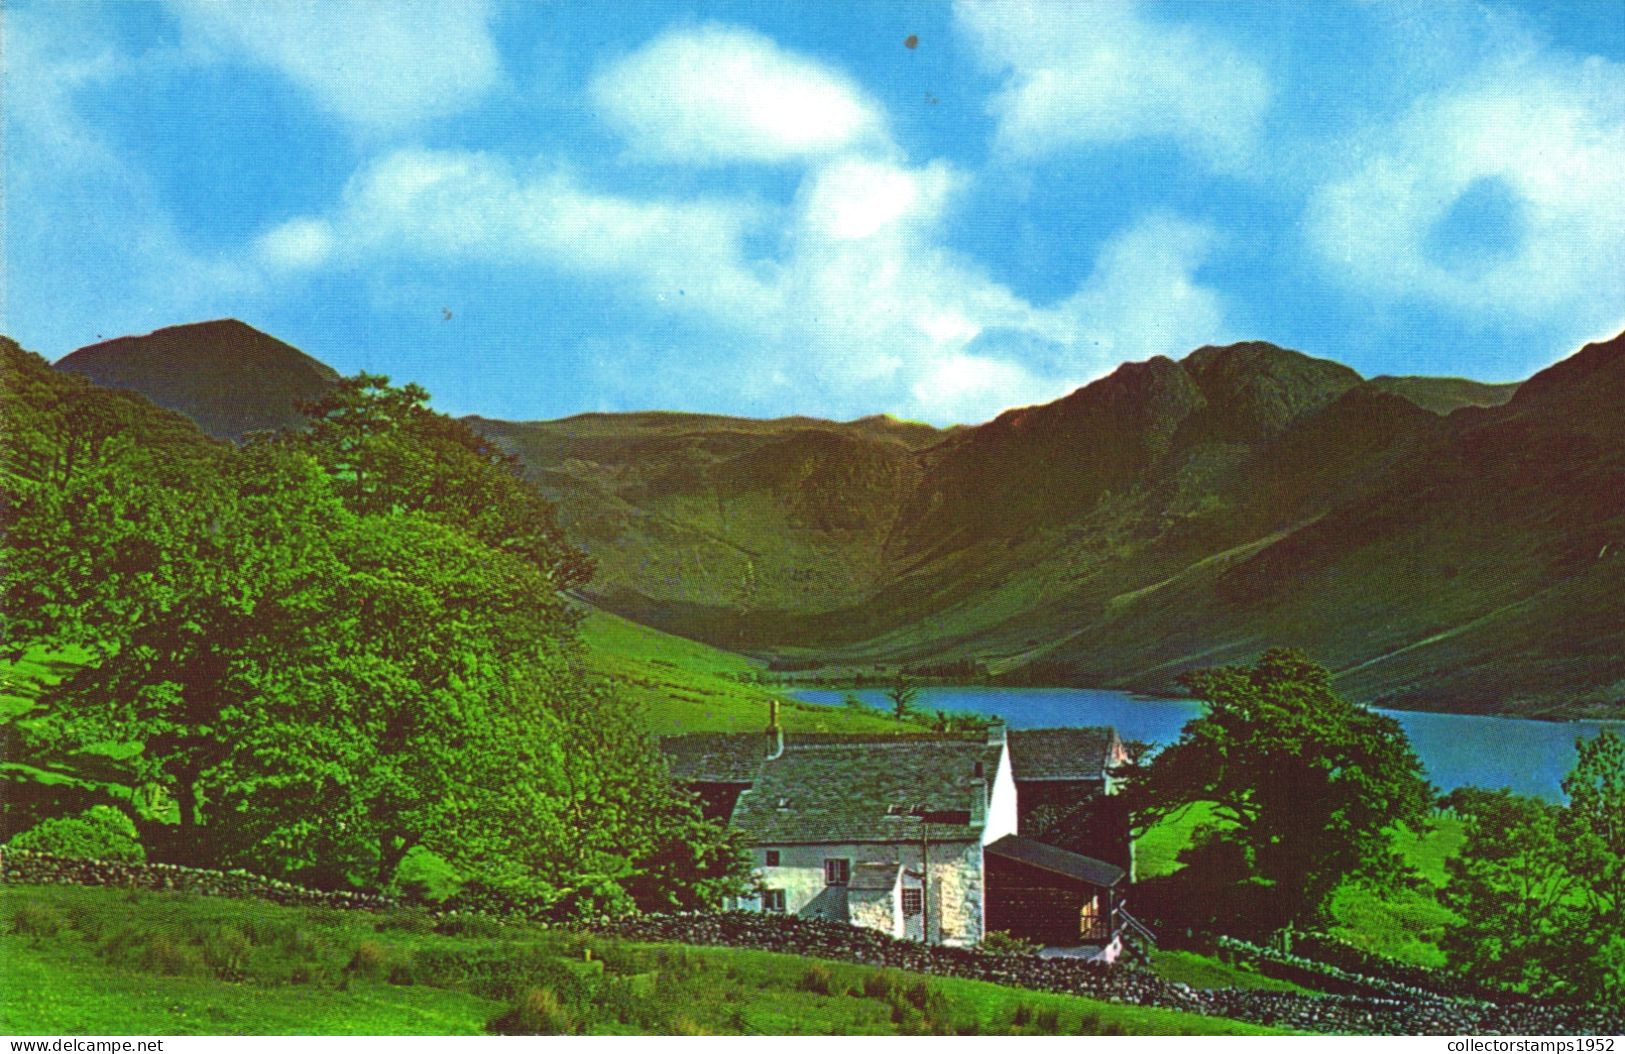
[1404, 925]
[102, 961]
[684, 686]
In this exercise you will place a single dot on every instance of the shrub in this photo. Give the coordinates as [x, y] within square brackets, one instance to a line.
[99, 833]
[166, 954]
[1003, 942]
[538, 1013]
[225, 953]
[821, 980]
[881, 984]
[37, 920]
[466, 924]
[369, 960]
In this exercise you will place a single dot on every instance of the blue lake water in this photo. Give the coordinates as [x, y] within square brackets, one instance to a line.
[1531, 757]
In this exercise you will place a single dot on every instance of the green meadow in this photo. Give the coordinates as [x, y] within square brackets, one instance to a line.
[105, 961]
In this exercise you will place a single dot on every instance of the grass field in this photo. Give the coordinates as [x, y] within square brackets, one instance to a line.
[104, 961]
[1404, 925]
[684, 686]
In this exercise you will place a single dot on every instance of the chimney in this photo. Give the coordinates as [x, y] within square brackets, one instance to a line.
[775, 734]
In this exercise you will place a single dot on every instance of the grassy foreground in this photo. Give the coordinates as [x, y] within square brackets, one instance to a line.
[105, 961]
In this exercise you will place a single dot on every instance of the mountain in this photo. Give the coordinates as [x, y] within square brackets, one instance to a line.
[227, 376]
[1443, 395]
[1441, 544]
[1170, 515]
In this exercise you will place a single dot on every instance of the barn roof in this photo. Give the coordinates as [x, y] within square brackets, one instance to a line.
[1063, 753]
[715, 757]
[1057, 861]
[870, 789]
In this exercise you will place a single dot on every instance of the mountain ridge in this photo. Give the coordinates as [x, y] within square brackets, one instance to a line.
[1426, 537]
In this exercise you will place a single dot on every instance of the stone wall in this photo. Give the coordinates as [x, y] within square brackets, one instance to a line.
[42, 869]
[1418, 1014]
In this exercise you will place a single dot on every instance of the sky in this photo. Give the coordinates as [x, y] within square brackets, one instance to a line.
[932, 210]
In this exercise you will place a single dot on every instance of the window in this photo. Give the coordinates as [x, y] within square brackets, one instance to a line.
[913, 901]
[772, 858]
[837, 871]
[773, 900]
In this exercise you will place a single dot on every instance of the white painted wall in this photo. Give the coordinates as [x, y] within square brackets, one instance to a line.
[1001, 803]
[954, 896]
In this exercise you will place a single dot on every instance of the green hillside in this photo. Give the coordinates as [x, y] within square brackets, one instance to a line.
[684, 686]
[1439, 543]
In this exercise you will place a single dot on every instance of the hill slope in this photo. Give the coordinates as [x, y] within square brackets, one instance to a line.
[1441, 543]
[227, 376]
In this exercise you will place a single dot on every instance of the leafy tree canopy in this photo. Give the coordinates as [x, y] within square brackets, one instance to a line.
[1308, 787]
[1539, 889]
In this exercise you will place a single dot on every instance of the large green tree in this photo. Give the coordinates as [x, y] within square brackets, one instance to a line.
[1538, 888]
[193, 600]
[1306, 785]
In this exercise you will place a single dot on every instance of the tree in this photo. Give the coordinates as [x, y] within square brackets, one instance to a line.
[388, 452]
[1509, 887]
[192, 598]
[1307, 787]
[902, 695]
[1539, 889]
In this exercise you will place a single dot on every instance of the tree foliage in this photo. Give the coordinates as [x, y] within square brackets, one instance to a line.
[330, 647]
[1537, 887]
[1307, 787]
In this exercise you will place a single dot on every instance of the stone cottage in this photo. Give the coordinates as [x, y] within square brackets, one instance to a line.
[925, 837]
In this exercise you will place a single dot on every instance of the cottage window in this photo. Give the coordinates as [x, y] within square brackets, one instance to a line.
[1092, 922]
[913, 901]
[772, 858]
[773, 900]
[837, 871]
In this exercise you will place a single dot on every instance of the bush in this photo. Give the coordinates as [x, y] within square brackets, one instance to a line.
[819, 979]
[225, 953]
[99, 833]
[37, 920]
[369, 960]
[538, 1013]
[1003, 942]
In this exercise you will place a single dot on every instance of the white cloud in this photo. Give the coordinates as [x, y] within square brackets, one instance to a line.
[859, 308]
[454, 205]
[1550, 135]
[377, 64]
[720, 94]
[297, 244]
[1100, 72]
[104, 254]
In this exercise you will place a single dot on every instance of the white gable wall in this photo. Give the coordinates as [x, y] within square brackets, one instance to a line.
[1001, 802]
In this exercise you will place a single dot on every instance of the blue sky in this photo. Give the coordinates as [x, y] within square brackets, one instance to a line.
[537, 209]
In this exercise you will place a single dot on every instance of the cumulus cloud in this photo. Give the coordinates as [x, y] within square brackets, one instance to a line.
[379, 65]
[459, 206]
[721, 94]
[1502, 196]
[1102, 72]
[860, 307]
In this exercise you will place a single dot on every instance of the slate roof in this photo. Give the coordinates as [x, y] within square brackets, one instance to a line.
[1057, 861]
[1062, 753]
[869, 789]
[715, 757]
[874, 876]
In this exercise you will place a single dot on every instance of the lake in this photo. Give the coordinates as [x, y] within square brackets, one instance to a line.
[1531, 757]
